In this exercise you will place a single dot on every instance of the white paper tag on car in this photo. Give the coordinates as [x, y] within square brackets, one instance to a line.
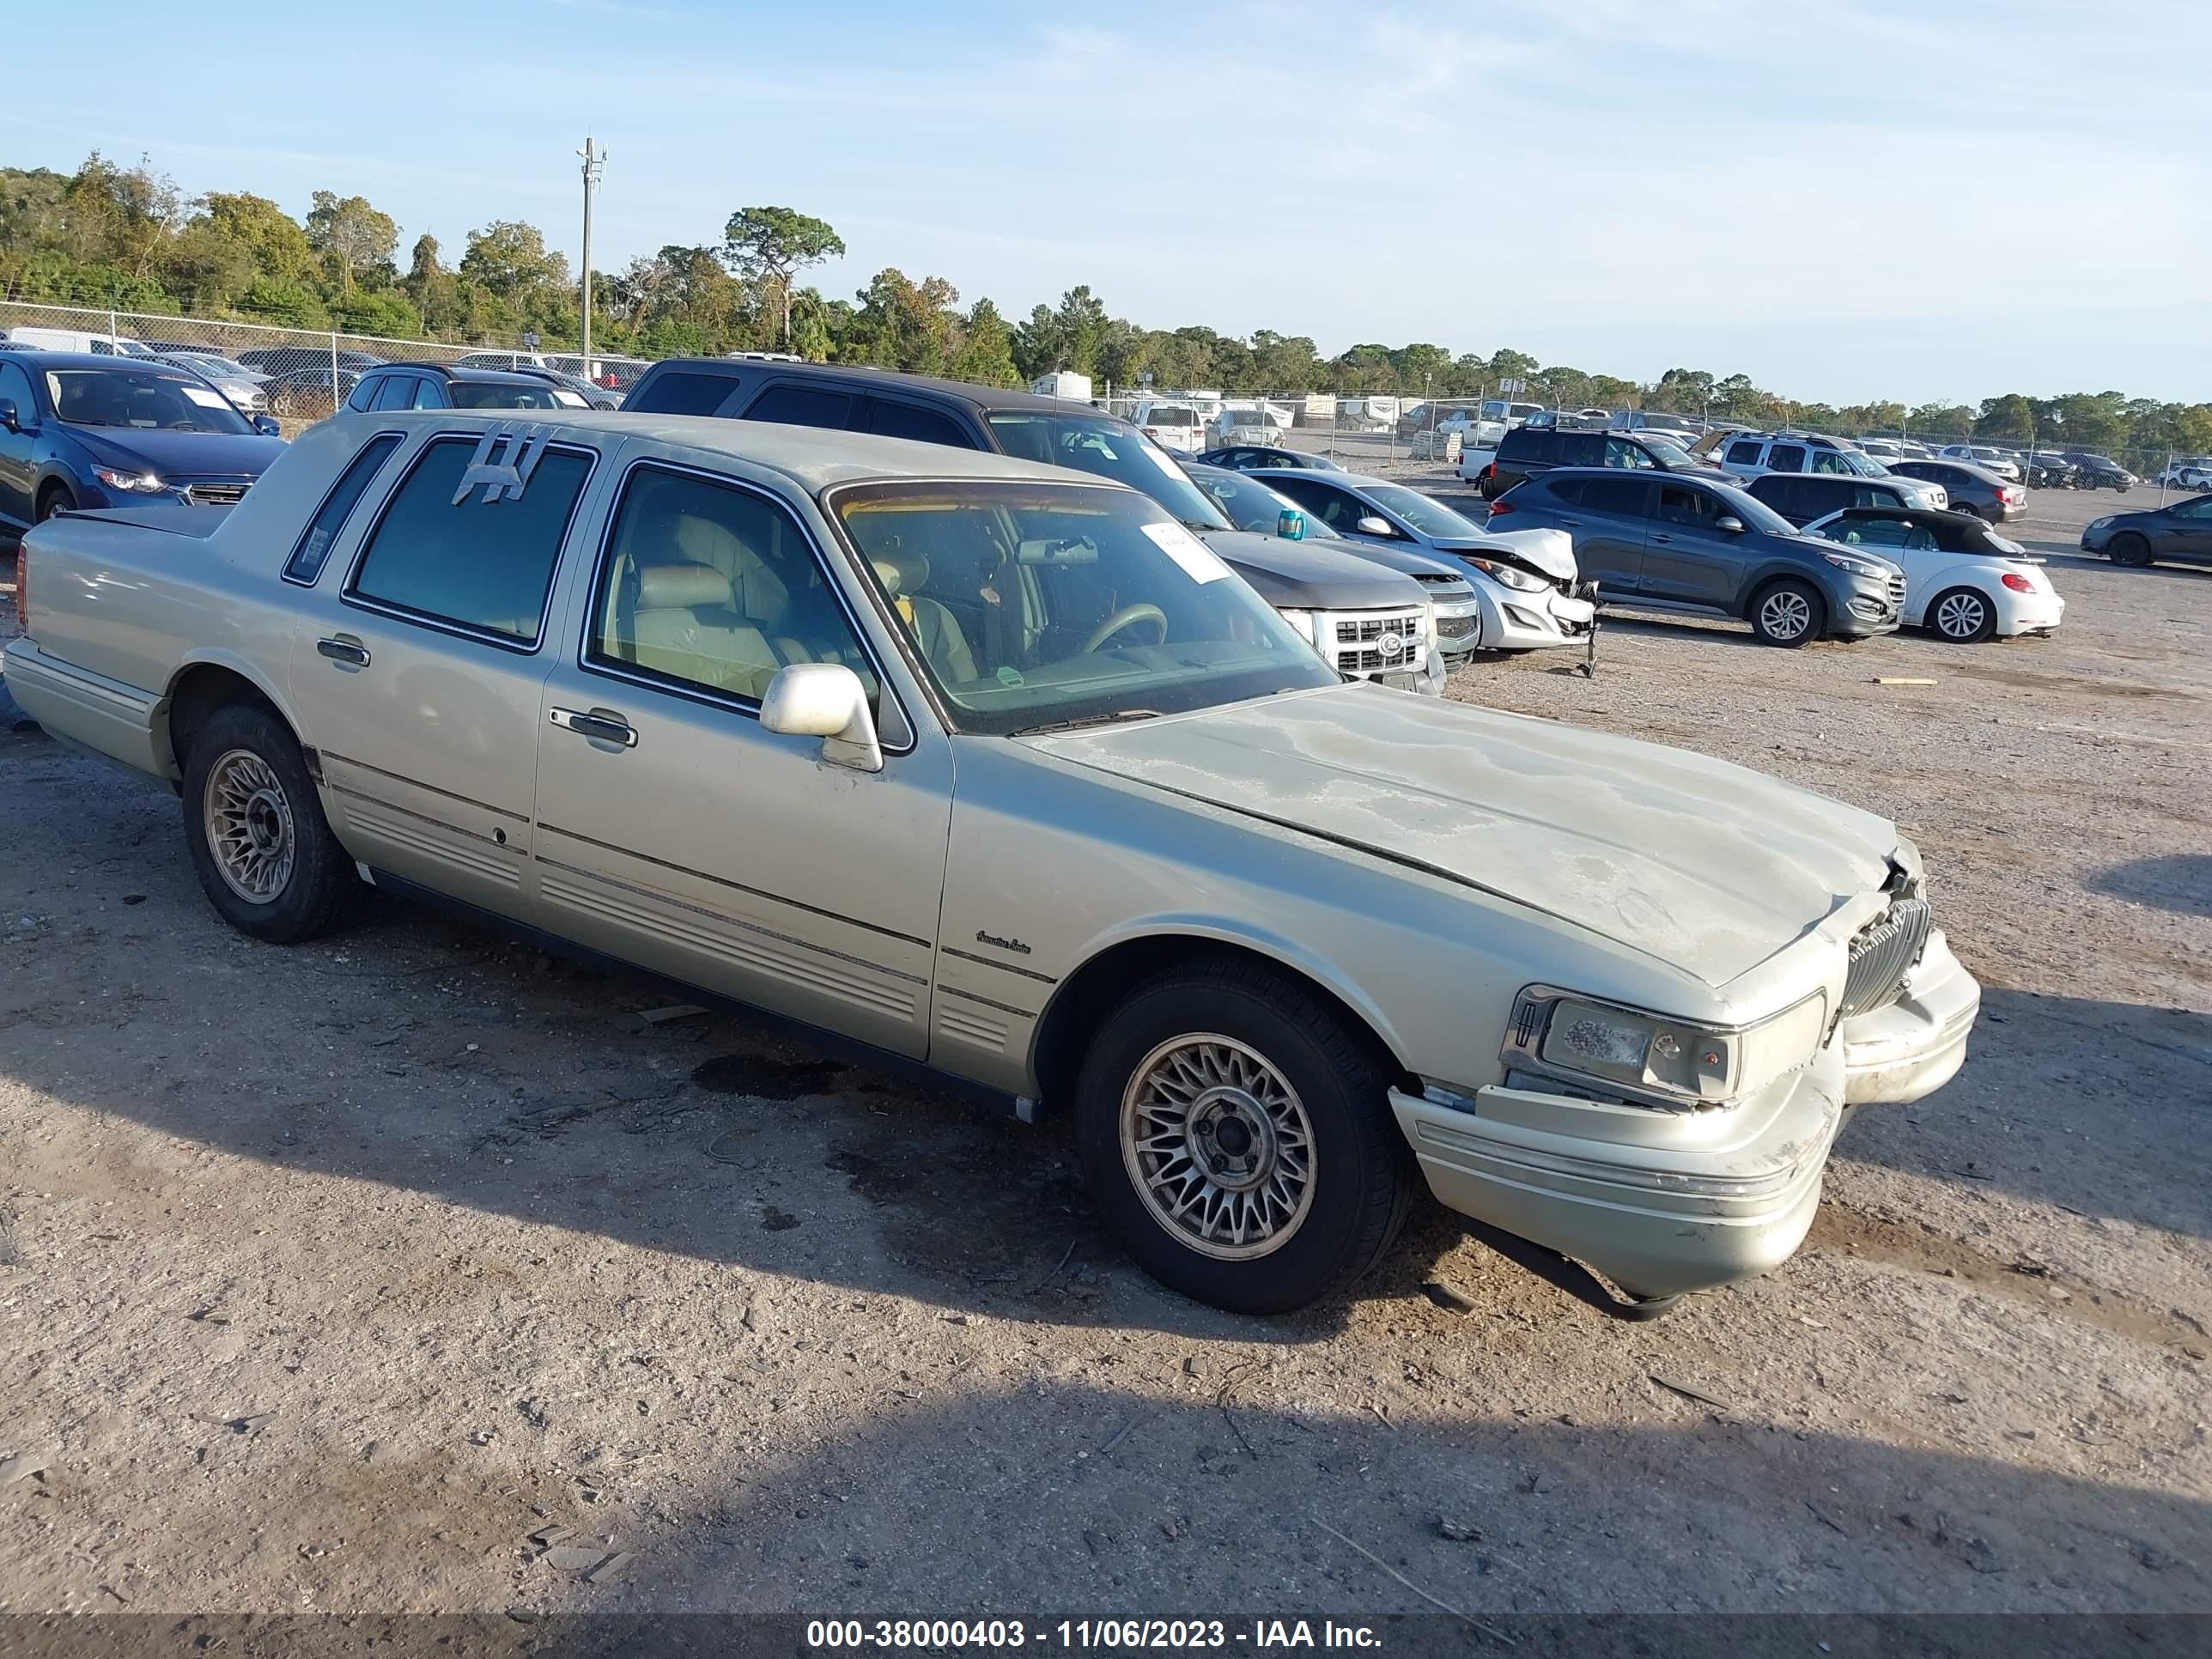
[1200, 562]
[203, 398]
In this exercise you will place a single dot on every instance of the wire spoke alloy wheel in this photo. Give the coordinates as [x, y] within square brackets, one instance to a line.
[1786, 614]
[1960, 615]
[1218, 1145]
[249, 826]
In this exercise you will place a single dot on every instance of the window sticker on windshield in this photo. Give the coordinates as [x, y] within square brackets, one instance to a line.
[203, 396]
[1200, 562]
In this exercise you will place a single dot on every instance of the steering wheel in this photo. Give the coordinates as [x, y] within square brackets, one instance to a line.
[1126, 616]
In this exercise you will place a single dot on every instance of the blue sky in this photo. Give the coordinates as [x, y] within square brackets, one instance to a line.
[1845, 200]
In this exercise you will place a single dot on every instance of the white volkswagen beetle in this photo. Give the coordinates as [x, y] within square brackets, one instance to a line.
[1964, 582]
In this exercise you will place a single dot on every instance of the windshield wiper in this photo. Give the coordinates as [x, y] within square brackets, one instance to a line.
[1081, 721]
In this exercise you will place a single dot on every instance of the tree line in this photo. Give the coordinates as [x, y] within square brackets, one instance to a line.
[127, 238]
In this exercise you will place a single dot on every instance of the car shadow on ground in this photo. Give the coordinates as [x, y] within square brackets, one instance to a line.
[2065, 1101]
[2180, 882]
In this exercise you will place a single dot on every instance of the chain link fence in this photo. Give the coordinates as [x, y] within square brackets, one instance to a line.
[298, 375]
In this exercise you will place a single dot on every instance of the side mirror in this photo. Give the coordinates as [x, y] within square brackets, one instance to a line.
[9, 417]
[1374, 524]
[1730, 523]
[267, 427]
[824, 700]
[1290, 525]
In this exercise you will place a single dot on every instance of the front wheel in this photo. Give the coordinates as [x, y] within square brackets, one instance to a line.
[1236, 1136]
[254, 826]
[57, 499]
[2129, 549]
[1962, 616]
[1788, 614]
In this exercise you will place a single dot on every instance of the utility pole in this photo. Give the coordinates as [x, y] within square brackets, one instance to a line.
[595, 162]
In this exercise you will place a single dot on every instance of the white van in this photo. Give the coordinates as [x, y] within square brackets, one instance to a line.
[70, 339]
[1179, 425]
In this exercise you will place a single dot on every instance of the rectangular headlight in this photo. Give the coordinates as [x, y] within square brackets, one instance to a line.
[1643, 1053]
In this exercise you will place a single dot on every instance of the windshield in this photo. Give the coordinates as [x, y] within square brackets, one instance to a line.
[1429, 517]
[1250, 505]
[207, 363]
[492, 394]
[1038, 606]
[1667, 453]
[141, 398]
[1089, 444]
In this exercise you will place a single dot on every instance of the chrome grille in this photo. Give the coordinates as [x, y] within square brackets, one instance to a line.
[1897, 589]
[215, 495]
[1365, 631]
[1881, 954]
[1359, 642]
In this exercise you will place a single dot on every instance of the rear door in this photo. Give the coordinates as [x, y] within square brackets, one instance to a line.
[1687, 558]
[417, 660]
[1609, 518]
[1785, 457]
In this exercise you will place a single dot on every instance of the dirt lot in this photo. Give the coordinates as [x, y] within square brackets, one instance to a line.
[332, 1274]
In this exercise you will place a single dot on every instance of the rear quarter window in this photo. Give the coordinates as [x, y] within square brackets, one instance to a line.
[1529, 447]
[802, 405]
[683, 392]
[307, 558]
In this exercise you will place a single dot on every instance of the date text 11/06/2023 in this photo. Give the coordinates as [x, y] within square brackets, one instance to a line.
[1089, 1635]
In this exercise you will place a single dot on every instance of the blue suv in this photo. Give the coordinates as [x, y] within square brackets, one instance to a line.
[80, 431]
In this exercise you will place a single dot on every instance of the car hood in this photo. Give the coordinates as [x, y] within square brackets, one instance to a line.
[1705, 866]
[179, 454]
[1551, 551]
[1311, 575]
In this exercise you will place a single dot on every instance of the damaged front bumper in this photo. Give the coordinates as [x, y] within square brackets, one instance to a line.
[1661, 1203]
[1917, 1043]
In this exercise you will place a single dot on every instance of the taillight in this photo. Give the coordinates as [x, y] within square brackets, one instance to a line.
[1151, 432]
[2018, 583]
[22, 588]
[1501, 505]
[1490, 470]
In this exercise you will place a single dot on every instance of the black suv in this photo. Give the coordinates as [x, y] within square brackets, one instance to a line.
[893, 405]
[1668, 543]
[1801, 497]
[1526, 451]
[442, 386]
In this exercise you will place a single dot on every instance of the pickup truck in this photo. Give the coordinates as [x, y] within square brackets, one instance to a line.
[994, 768]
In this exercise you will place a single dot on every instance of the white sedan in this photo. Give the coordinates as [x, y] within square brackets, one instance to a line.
[1964, 582]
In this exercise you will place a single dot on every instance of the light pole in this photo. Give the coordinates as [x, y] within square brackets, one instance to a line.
[595, 162]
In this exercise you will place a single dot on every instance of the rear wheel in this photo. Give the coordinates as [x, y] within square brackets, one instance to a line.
[1962, 616]
[1789, 613]
[1966, 507]
[259, 844]
[2129, 549]
[1236, 1136]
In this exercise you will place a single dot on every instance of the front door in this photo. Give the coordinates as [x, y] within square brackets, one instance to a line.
[1686, 559]
[416, 676]
[674, 832]
[18, 470]
[2186, 532]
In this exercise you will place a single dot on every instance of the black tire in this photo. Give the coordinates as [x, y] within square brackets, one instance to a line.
[2129, 548]
[1361, 1175]
[1966, 507]
[1776, 607]
[55, 498]
[319, 889]
[1972, 616]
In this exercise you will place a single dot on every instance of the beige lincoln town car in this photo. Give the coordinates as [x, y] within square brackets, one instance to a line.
[994, 768]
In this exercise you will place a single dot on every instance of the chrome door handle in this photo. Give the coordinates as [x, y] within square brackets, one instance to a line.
[352, 652]
[601, 724]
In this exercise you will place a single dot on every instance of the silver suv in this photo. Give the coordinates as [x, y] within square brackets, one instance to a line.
[1751, 454]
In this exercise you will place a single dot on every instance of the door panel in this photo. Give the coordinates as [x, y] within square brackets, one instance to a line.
[1686, 559]
[427, 723]
[1610, 519]
[675, 832]
[19, 468]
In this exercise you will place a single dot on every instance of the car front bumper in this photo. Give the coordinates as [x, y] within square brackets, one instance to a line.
[1663, 1203]
[1516, 621]
[1916, 1044]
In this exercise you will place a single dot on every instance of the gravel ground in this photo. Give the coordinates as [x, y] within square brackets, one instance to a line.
[329, 1276]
